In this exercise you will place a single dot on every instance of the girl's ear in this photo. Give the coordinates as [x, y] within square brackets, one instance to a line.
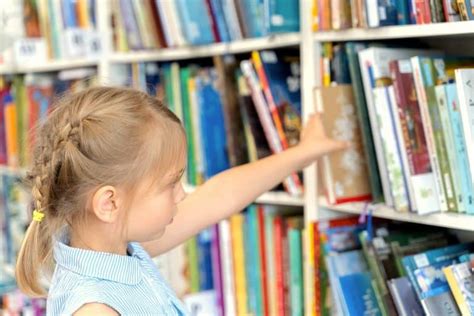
[105, 204]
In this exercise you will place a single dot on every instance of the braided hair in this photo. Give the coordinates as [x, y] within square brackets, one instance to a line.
[100, 136]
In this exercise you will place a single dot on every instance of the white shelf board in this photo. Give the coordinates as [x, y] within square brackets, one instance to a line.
[448, 220]
[397, 32]
[189, 52]
[53, 65]
[276, 198]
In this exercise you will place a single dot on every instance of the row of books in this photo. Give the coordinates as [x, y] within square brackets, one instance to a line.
[17, 303]
[48, 29]
[413, 110]
[393, 269]
[252, 261]
[345, 14]
[153, 24]
[26, 100]
[232, 114]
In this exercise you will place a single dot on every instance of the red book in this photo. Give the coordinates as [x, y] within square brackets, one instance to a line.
[212, 20]
[410, 118]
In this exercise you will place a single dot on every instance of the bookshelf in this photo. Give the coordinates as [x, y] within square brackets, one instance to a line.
[50, 66]
[447, 220]
[398, 32]
[310, 44]
[243, 46]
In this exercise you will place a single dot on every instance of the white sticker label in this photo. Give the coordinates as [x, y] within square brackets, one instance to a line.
[30, 51]
[421, 260]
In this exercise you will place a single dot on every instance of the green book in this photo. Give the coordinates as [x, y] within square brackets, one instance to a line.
[296, 272]
[22, 119]
[169, 95]
[352, 50]
[185, 74]
[192, 253]
[441, 152]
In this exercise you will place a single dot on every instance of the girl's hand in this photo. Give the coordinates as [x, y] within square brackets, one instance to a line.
[315, 142]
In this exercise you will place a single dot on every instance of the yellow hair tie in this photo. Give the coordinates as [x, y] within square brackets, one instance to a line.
[38, 216]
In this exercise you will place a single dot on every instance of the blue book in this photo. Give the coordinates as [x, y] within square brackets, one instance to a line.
[212, 126]
[432, 257]
[404, 297]
[203, 239]
[195, 22]
[460, 145]
[218, 13]
[69, 14]
[282, 16]
[431, 280]
[403, 14]
[252, 11]
[131, 27]
[388, 14]
[152, 78]
[343, 238]
[358, 294]
[340, 265]
[283, 74]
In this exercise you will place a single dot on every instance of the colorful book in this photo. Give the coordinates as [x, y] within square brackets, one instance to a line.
[421, 180]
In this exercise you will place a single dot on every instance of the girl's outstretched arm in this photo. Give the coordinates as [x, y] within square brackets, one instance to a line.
[231, 191]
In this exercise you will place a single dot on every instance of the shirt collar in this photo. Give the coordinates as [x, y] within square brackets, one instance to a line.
[101, 265]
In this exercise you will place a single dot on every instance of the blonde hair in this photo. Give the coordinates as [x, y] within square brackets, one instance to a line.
[102, 135]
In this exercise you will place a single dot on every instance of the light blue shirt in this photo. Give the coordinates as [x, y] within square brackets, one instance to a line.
[132, 285]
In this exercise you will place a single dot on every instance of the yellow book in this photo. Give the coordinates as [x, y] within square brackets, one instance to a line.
[456, 290]
[121, 43]
[315, 16]
[82, 11]
[236, 227]
[45, 25]
[11, 134]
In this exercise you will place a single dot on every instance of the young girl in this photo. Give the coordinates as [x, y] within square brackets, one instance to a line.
[107, 195]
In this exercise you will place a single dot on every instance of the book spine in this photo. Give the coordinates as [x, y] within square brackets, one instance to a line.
[227, 268]
[450, 147]
[366, 58]
[296, 272]
[461, 154]
[440, 145]
[466, 109]
[425, 116]
[237, 222]
[217, 269]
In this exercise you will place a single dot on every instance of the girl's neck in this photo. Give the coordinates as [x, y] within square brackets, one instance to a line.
[97, 238]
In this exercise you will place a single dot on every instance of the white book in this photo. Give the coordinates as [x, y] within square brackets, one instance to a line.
[176, 30]
[176, 83]
[232, 19]
[390, 149]
[428, 128]
[227, 266]
[11, 29]
[450, 148]
[165, 22]
[465, 87]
